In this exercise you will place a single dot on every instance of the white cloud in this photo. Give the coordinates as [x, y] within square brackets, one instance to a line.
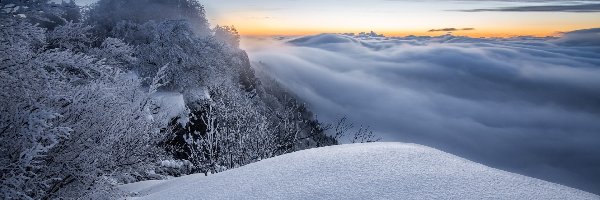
[529, 105]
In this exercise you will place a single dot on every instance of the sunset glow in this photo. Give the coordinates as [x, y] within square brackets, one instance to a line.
[394, 18]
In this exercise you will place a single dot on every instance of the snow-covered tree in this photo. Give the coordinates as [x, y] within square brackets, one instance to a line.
[228, 35]
[81, 108]
[115, 53]
[27, 116]
[70, 36]
[69, 116]
[111, 134]
[106, 14]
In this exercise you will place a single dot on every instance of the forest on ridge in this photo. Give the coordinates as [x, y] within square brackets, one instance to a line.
[127, 90]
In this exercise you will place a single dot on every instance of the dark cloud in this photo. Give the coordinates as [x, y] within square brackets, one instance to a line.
[451, 29]
[527, 105]
[543, 8]
[535, 1]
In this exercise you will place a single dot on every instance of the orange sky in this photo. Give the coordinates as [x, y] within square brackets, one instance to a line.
[250, 31]
[392, 18]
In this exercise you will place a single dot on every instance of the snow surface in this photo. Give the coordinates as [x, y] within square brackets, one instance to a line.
[359, 171]
[169, 105]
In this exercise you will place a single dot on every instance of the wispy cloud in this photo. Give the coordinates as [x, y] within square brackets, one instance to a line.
[451, 29]
[542, 8]
[557, 2]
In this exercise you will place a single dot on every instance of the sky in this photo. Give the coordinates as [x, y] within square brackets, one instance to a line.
[501, 18]
[402, 17]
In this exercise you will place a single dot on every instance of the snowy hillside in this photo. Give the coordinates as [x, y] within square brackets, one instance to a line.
[359, 171]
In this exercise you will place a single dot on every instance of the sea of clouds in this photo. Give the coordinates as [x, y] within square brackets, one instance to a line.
[527, 105]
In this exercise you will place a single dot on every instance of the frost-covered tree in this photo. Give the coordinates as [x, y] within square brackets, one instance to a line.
[111, 135]
[70, 36]
[70, 117]
[27, 119]
[83, 98]
[227, 34]
[342, 129]
[45, 13]
[106, 14]
[115, 53]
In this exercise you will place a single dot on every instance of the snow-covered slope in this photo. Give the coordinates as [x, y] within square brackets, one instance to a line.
[359, 171]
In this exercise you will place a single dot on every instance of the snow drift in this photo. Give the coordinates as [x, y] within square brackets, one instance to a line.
[359, 171]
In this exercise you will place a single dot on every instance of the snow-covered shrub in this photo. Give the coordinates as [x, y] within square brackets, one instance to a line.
[73, 67]
[106, 14]
[45, 13]
[67, 118]
[86, 106]
[27, 118]
[228, 35]
[232, 129]
[175, 167]
[71, 36]
[115, 53]
[111, 134]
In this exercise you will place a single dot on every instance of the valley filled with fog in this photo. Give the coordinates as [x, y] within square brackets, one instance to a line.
[527, 105]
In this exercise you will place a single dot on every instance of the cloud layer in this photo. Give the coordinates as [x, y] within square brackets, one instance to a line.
[527, 105]
[587, 7]
[451, 29]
